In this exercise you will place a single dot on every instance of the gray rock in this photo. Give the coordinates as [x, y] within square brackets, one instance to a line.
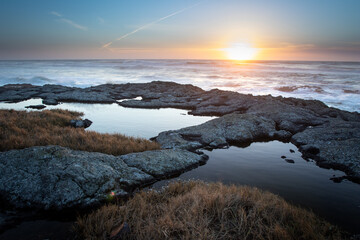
[80, 123]
[289, 160]
[84, 95]
[162, 163]
[50, 101]
[288, 116]
[36, 106]
[219, 132]
[173, 140]
[334, 144]
[54, 177]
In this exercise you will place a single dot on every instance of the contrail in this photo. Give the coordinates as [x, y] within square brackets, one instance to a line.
[149, 24]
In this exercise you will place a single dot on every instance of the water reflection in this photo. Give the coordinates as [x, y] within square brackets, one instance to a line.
[302, 182]
[113, 118]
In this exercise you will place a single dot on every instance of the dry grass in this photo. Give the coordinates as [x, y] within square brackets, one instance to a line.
[21, 129]
[196, 210]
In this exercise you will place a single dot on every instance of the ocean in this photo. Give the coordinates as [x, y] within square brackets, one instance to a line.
[337, 84]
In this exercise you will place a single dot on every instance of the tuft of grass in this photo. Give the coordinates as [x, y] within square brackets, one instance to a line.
[197, 210]
[21, 129]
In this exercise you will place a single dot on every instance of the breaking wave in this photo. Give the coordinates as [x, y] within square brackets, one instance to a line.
[335, 83]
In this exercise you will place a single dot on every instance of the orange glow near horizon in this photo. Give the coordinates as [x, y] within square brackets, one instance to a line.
[241, 52]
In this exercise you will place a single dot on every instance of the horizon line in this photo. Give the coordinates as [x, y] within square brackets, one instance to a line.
[196, 59]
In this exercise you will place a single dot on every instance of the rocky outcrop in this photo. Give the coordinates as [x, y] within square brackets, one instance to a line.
[310, 124]
[232, 128]
[335, 144]
[79, 123]
[332, 142]
[162, 163]
[54, 177]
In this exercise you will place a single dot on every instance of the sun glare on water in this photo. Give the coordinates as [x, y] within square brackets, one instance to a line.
[241, 52]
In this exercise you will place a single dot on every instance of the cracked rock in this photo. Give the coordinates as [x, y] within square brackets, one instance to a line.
[54, 177]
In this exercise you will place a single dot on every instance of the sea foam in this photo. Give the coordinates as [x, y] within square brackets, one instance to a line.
[335, 83]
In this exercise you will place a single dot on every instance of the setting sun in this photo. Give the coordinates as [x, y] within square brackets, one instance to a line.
[241, 51]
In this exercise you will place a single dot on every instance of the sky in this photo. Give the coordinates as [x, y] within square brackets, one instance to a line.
[185, 29]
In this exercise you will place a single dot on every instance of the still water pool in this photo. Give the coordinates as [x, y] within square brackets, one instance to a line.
[302, 182]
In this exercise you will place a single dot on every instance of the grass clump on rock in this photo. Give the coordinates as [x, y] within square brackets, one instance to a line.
[197, 210]
[21, 129]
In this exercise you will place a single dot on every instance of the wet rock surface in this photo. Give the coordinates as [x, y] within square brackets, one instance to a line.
[54, 177]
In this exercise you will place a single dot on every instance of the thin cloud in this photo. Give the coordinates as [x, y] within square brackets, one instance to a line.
[56, 14]
[73, 24]
[68, 21]
[107, 45]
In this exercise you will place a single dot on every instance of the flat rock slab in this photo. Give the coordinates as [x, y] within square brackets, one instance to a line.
[53, 177]
[36, 106]
[160, 163]
[56, 177]
[335, 144]
[219, 132]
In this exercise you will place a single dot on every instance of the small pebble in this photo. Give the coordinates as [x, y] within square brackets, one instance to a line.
[289, 160]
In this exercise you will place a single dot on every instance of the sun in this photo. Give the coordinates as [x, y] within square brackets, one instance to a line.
[241, 52]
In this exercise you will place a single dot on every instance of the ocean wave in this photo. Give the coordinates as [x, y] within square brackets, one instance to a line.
[228, 85]
[37, 80]
[196, 63]
[326, 81]
[289, 89]
[351, 91]
[219, 77]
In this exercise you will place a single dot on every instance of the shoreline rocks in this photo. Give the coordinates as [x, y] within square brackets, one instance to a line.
[219, 132]
[330, 136]
[335, 144]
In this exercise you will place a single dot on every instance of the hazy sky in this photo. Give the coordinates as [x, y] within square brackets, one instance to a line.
[279, 29]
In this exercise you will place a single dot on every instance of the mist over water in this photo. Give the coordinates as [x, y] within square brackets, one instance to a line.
[335, 83]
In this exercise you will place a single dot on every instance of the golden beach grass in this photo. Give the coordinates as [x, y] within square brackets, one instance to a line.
[21, 129]
[196, 210]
